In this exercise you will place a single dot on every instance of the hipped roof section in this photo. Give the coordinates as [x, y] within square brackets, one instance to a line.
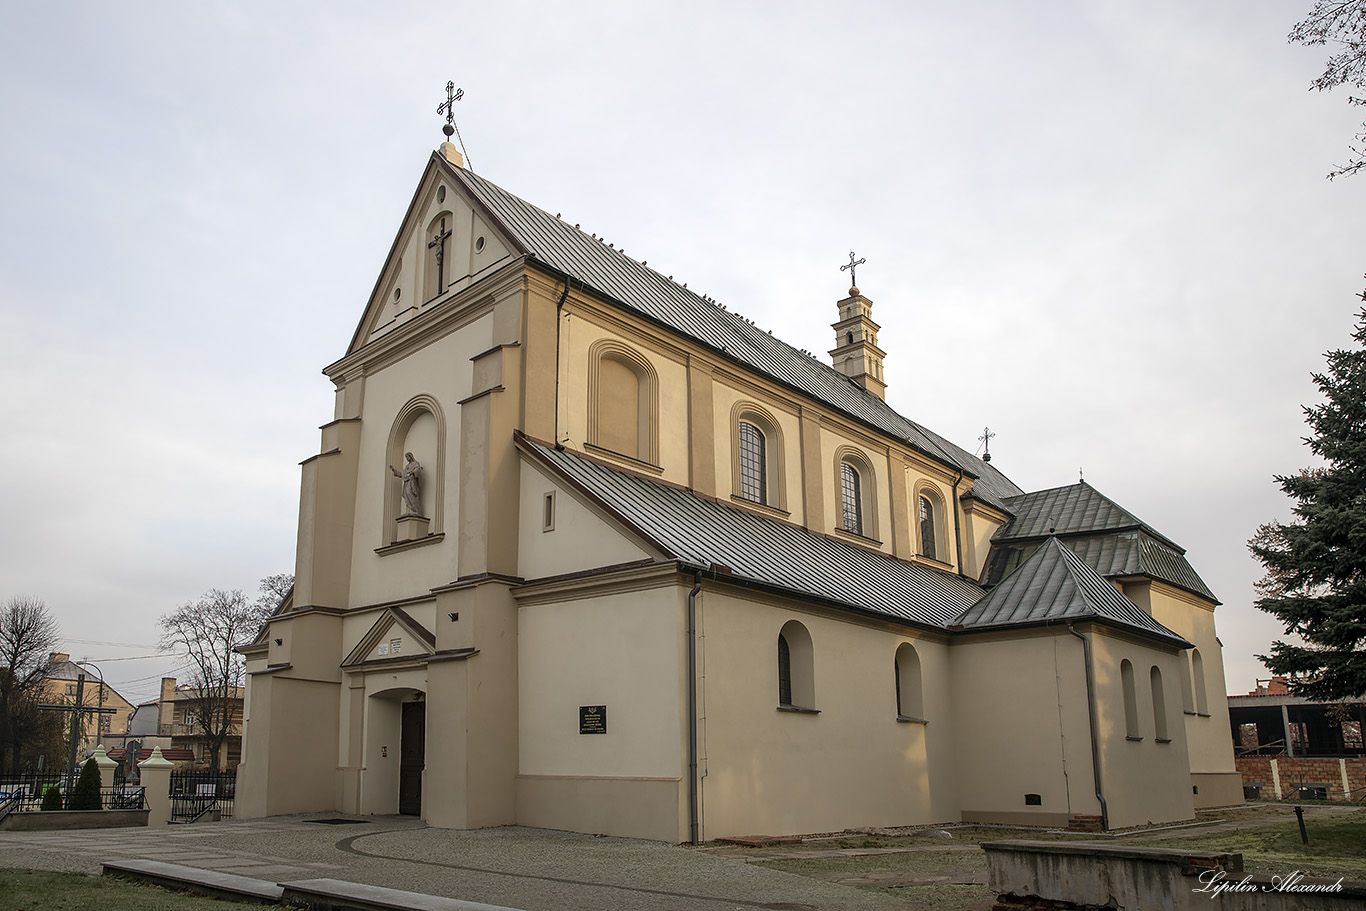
[1055, 585]
[1107, 537]
[563, 248]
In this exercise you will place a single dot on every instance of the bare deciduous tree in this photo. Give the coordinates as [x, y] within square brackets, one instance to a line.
[28, 635]
[1340, 24]
[208, 629]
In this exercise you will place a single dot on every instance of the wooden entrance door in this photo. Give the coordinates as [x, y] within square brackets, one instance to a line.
[411, 757]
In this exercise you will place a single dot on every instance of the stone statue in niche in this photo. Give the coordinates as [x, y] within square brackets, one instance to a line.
[411, 475]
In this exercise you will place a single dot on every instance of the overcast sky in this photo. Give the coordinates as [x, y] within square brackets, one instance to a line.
[1101, 229]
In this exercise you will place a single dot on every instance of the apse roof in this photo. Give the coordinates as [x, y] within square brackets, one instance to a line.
[1054, 584]
[1106, 536]
[573, 252]
[1073, 509]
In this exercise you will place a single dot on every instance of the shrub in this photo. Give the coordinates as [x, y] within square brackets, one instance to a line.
[86, 794]
[52, 798]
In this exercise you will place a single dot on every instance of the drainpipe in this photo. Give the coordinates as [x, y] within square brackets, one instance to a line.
[1091, 713]
[692, 709]
[558, 321]
[957, 534]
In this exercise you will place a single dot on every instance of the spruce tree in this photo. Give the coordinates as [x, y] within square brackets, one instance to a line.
[86, 794]
[1315, 581]
[52, 798]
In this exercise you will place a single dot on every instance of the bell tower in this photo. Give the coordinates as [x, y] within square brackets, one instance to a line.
[856, 353]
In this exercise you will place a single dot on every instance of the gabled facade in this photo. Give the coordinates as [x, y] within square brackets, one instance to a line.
[584, 549]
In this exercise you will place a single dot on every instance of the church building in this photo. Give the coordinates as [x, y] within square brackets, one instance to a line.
[583, 549]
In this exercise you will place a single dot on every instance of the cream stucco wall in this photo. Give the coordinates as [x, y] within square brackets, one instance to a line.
[580, 538]
[1145, 780]
[854, 763]
[442, 370]
[1207, 732]
[579, 331]
[1022, 697]
[623, 651]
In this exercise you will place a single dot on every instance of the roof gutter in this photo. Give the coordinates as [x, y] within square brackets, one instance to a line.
[559, 306]
[1091, 714]
[957, 532]
[693, 783]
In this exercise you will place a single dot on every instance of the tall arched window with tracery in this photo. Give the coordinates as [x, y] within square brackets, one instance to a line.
[753, 463]
[851, 499]
[928, 532]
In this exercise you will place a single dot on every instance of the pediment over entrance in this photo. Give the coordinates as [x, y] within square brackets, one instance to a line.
[395, 637]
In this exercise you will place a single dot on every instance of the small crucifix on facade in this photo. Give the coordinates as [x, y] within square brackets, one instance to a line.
[851, 266]
[438, 247]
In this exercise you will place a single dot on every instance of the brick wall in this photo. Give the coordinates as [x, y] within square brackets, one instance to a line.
[1293, 772]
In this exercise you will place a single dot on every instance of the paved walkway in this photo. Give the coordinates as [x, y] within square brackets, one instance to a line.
[531, 869]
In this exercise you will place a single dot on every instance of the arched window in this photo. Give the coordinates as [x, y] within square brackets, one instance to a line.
[437, 266]
[910, 703]
[1159, 706]
[623, 391]
[796, 681]
[753, 463]
[1198, 678]
[928, 533]
[1126, 676]
[852, 516]
[1187, 690]
[756, 461]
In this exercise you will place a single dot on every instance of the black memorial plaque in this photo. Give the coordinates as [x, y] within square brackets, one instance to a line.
[592, 719]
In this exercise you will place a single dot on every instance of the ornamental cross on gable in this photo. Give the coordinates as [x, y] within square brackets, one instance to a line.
[447, 107]
[851, 266]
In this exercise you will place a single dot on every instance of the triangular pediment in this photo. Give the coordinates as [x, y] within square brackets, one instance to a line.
[443, 215]
[395, 636]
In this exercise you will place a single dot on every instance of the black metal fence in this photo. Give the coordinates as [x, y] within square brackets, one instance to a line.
[196, 794]
[24, 793]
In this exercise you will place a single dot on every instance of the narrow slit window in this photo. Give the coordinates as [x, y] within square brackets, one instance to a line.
[548, 512]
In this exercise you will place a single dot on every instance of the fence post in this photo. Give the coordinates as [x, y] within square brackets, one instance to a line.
[106, 767]
[155, 772]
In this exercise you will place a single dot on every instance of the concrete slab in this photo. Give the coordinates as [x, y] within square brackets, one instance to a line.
[192, 879]
[336, 895]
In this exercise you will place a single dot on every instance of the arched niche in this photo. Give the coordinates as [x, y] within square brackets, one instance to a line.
[623, 401]
[419, 428]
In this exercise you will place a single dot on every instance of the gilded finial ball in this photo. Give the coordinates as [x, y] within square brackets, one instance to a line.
[853, 291]
[448, 130]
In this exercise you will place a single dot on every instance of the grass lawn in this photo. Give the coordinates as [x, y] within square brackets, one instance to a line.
[32, 890]
[1337, 846]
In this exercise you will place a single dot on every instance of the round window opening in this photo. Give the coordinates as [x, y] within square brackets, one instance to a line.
[398, 292]
[479, 244]
[440, 194]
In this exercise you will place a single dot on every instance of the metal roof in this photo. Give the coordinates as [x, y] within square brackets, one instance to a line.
[700, 531]
[1106, 536]
[574, 252]
[1067, 510]
[1054, 584]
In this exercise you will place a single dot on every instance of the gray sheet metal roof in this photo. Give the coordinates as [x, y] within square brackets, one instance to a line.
[1054, 584]
[1110, 539]
[1066, 510]
[1138, 554]
[571, 251]
[701, 531]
